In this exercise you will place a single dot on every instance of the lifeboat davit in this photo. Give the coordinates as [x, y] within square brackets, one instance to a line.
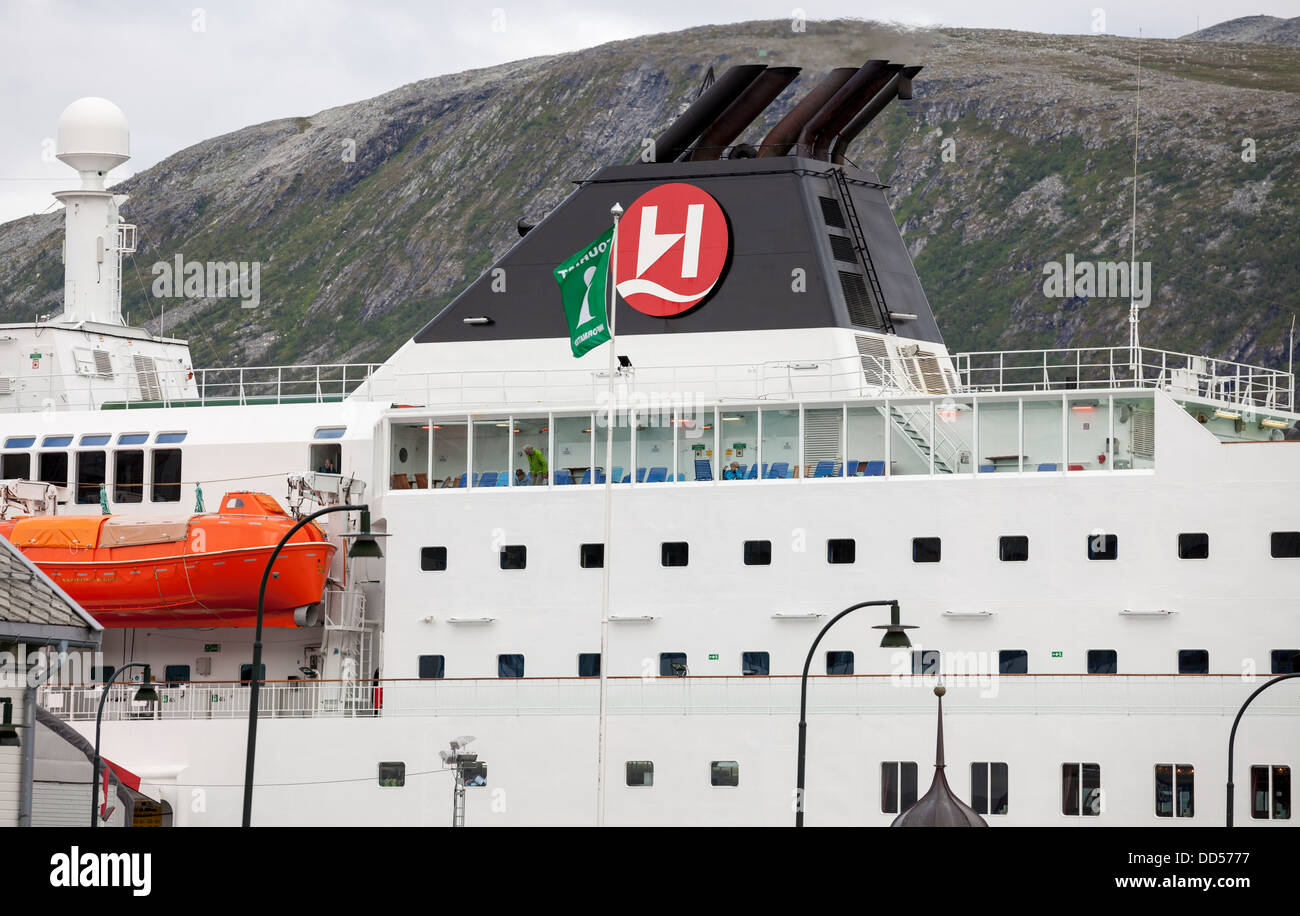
[201, 571]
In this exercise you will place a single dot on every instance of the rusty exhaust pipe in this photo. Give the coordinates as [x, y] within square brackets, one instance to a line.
[783, 135]
[752, 102]
[899, 86]
[814, 139]
[677, 139]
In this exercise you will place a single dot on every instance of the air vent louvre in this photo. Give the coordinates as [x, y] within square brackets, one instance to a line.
[875, 359]
[832, 215]
[842, 249]
[146, 374]
[821, 435]
[932, 375]
[103, 363]
[862, 309]
[1144, 433]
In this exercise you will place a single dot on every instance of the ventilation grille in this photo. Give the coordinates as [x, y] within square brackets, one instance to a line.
[6, 385]
[832, 215]
[103, 363]
[875, 360]
[933, 377]
[147, 375]
[842, 248]
[862, 308]
[821, 435]
[1144, 433]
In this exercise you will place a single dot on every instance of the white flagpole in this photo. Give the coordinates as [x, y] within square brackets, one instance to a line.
[616, 211]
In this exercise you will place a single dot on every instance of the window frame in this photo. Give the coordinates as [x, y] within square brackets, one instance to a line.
[1007, 544]
[1079, 800]
[668, 550]
[1109, 550]
[927, 549]
[733, 781]
[988, 783]
[1193, 545]
[646, 768]
[439, 663]
[431, 557]
[892, 789]
[841, 544]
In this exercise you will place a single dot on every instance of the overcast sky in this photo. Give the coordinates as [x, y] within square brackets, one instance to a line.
[184, 72]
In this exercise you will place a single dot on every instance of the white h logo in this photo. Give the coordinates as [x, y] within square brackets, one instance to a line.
[651, 245]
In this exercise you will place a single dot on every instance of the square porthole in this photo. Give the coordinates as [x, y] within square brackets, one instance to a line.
[755, 663]
[1103, 661]
[1103, 547]
[1194, 546]
[674, 553]
[588, 664]
[1013, 548]
[724, 773]
[640, 773]
[514, 556]
[1284, 544]
[1193, 661]
[926, 550]
[433, 559]
[841, 550]
[758, 553]
[591, 556]
[392, 774]
[432, 666]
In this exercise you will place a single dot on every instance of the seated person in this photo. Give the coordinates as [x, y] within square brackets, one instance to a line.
[731, 471]
[521, 480]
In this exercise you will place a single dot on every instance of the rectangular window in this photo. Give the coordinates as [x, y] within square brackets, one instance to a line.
[1193, 546]
[95, 439]
[758, 553]
[20, 442]
[588, 664]
[128, 476]
[176, 674]
[755, 663]
[1175, 790]
[640, 773]
[124, 439]
[90, 476]
[925, 661]
[1103, 547]
[1102, 661]
[1013, 548]
[246, 673]
[1013, 661]
[1285, 661]
[102, 674]
[514, 556]
[161, 439]
[841, 550]
[433, 559]
[510, 666]
[392, 774]
[724, 773]
[926, 550]
[897, 786]
[674, 553]
[988, 788]
[839, 662]
[1081, 789]
[166, 475]
[432, 666]
[672, 664]
[17, 466]
[475, 774]
[54, 468]
[1193, 661]
[1285, 544]
[1270, 792]
[591, 556]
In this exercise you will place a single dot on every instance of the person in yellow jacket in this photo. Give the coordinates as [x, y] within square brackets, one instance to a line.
[537, 466]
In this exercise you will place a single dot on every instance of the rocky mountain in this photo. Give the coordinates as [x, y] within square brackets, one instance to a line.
[1016, 151]
[1263, 30]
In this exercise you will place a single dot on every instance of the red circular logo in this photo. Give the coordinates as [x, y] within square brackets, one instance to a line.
[672, 247]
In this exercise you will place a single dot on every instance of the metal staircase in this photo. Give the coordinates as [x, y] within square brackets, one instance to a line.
[911, 421]
[841, 186]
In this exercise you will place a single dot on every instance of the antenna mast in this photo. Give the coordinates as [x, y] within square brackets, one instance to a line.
[1133, 318]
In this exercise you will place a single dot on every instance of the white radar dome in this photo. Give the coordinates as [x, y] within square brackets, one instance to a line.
[93, 136]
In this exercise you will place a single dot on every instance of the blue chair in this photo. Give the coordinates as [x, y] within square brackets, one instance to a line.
[640, 475]
[489, 479]
[681, 477]
[586, 476]
[824, 469]
[753, 472]
[461, 481]
[618, 476]
[780, 470]
[703, 469]
[875, 469]
[1047, 467]
[851, 468]
[657, 475]
[988, 468]
[562, 477]
[600, 476]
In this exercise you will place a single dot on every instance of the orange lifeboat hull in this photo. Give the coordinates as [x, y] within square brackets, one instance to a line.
[204, 571]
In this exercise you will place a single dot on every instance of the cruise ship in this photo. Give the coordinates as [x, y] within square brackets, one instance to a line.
[603, 578]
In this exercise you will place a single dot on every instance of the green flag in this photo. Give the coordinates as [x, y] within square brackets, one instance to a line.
[584, 288]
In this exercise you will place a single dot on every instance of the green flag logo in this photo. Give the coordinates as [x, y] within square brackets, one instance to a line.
[584, 287]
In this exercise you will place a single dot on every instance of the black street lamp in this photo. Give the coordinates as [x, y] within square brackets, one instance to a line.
[895, 638]
[146, 694]
[1232, 735]
[363, 546]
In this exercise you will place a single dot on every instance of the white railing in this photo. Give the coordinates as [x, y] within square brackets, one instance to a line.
[1181, 374]
[1133, 694]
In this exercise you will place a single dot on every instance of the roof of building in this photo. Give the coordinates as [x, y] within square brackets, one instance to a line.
[940, 806]
[32, 606]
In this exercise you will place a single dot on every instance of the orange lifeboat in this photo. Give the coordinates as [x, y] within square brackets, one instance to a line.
[201, 571]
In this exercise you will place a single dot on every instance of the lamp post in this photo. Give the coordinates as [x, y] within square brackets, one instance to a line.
[895, 638]
[364, 546]
[146, 694]
[1232, 735]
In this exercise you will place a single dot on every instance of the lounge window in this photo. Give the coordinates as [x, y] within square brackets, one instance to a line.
[246, 673]
[432, 666]
[510, 665]
[758, 553]
[1195, 546]
[841, 550]
[1013, 661]
[1013, 548]
[514, 556]
[1285, 544]
[1270, 793]
[755, 663]
[57, 441]
[724, 773]
[640, 772]
[588, 664]
[672, 664]
[591, 556]
[475, 774]
[166, 475]
[392, 774]
[1175, 790]
[926, 550]
[674, 553]
[161, 439]
[1285, 661]
[175, 675]
[925, 661]
[1103, 547]
[90, 476]
[897, 786]
[988, 788]
[330, 432]
[1102, 661]
[124, 439]
[1081, 789]
[1193, 661]
[433, 559]
[54, 468]
[18, 466]
[128, 476]
[839, 662]
[20, 442]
